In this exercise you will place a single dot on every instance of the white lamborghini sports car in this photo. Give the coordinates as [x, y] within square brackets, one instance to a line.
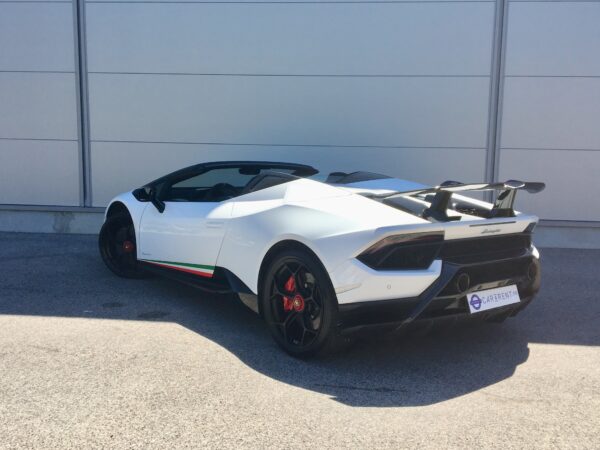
[321, 259]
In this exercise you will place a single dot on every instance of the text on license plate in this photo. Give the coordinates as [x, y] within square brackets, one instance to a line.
[493, 298]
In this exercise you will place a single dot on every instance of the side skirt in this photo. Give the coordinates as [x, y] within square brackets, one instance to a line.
[222, 281]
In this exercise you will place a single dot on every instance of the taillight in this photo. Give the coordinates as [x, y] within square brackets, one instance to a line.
[403, 252]
[530, 227]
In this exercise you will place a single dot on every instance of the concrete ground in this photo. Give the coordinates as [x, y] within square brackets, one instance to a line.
[91, 360]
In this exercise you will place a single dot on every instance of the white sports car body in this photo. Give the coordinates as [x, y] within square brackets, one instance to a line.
[395, 251]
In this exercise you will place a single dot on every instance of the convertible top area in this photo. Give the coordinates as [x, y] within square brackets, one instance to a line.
[245, 167]
[219, 181]
[224, 180]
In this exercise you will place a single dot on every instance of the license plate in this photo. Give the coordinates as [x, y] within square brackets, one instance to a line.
[493, 298]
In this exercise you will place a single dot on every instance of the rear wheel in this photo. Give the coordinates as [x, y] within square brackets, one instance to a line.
[118, 247]
[299, 304]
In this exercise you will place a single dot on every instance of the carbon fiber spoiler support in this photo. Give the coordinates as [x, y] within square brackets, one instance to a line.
[503, 206]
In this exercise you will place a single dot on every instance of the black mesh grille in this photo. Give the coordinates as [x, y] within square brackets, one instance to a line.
[465, 251]
[451, 301]
[420, 253]
[512, 269]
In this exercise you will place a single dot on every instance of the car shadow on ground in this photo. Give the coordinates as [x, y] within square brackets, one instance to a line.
[53, 275]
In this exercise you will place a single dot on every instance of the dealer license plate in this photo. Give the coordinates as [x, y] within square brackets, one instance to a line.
[493, 298]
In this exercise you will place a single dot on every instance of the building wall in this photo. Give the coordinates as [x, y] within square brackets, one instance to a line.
[338, 85]
[39, 148]
[551, 106]
[406, 88]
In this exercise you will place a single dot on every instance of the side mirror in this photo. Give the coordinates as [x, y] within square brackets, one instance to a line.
[142, 194]
[158, 204]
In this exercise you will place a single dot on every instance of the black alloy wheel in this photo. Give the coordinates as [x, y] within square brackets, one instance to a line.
[118, 247]
[299, 304]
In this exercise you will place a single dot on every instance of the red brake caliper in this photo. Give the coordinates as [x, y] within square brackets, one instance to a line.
[128, 246]
[294, 301]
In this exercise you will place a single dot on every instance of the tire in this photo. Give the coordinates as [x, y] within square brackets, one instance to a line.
[301, 315]
[117, 247]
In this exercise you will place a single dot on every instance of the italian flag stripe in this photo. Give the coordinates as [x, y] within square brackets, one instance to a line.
[196, 269]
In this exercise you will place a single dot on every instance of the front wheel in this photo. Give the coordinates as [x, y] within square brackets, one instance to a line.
[299, 304]
[117, 246]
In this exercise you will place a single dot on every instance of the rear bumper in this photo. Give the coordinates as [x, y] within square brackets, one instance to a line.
[444, 300]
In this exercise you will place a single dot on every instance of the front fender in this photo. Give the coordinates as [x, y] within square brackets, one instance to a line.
[134, 207]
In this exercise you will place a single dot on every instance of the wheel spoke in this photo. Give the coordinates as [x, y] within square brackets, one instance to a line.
[316, 296]
[308, 331]
[291, 318]
[115, 252]
[119, 255]
[288, 269]
[286, 323]
[288, 320]
[124, 259]
[121, 235]
[299, 326]
[276, 291]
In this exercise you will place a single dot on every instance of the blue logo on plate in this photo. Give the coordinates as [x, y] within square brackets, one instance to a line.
[475, 302]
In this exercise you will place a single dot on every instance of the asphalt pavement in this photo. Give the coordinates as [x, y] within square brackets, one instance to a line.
[91, 360]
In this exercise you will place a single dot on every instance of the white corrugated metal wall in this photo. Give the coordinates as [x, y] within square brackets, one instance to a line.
[551, 105]
[407, 88]
[39, 148]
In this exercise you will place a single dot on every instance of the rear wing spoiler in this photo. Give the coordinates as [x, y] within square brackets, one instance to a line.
[503, 205]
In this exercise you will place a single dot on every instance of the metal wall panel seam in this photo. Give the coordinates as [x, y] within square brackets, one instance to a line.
[254, 144]
[83, 102]
[494, 100]
[553, 149]
[569, 223]
[501, 76]
[291, 2]
[49, 208]
[552, 76]
[300, 75]
[36, 71]
[95, 209]
[37, 139]
[554, 1]
[81, 180]
[35, 1]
